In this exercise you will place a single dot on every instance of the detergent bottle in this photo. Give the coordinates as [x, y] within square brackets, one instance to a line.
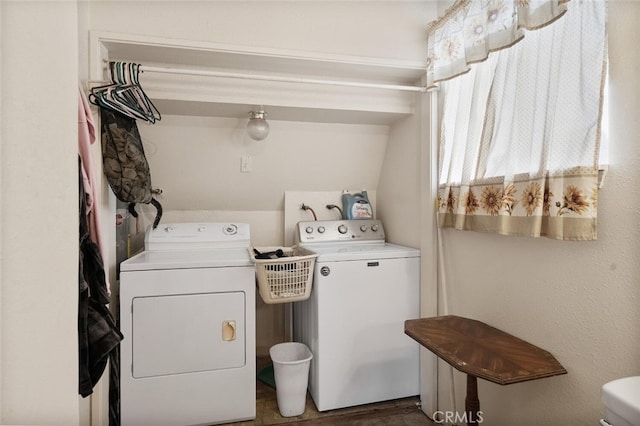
[356, 206]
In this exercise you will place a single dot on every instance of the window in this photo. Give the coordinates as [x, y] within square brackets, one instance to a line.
[521, 132]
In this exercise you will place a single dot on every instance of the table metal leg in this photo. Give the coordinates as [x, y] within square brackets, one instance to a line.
[471, 402]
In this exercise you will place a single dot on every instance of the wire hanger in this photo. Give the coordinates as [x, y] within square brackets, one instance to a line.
[124, 93]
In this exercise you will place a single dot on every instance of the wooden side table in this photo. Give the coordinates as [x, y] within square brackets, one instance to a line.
[480, 350]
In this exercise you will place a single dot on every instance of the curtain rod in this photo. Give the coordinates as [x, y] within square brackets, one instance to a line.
[144, 68]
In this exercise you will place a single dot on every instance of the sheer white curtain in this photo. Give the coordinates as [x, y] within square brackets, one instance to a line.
[521, 131]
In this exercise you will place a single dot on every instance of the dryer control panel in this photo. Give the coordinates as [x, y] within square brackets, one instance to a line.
[329, 231]
[197, 235]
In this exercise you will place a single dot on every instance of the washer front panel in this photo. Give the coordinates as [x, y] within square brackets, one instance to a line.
[354, 325]
[363, 291]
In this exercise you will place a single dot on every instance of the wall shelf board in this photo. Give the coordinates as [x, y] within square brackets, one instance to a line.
[275, 112]
[189, 95]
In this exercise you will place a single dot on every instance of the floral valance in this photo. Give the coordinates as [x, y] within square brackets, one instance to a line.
[471, 29]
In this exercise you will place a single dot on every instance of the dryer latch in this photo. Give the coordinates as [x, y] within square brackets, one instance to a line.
[228, 330]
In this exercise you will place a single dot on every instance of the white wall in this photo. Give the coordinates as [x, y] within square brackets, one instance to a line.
[406, 208]
[578, 300]
[399, 188]
[386, 29]
[39, 211]
[196, 161]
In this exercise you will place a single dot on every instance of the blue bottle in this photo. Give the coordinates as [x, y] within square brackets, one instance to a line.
[356, 206]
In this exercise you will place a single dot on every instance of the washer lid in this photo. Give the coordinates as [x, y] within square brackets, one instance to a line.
[182, 259]
[360, 251]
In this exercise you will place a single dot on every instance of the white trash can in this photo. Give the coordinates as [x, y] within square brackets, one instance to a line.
[291, 362]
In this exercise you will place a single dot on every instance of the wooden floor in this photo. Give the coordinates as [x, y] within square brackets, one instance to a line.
[392, 413]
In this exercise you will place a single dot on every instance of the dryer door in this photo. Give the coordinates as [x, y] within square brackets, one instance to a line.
[187, 333]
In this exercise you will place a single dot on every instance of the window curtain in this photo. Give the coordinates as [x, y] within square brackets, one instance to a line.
[521, 131]
[471, 29]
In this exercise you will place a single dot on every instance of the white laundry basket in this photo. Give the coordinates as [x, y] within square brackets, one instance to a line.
[291, 362]
[285, 279]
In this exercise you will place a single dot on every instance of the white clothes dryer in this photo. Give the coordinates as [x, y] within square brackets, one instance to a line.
[187, 312]
[363, 290]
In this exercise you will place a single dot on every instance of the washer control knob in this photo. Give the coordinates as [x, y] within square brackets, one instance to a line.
[308, 229]
[374, 228]
[342, 229]
[363, 228]
[230, 229]
[321, 229]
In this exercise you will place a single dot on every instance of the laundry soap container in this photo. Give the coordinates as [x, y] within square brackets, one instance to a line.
[291, 361]
[621, 400]
[356, 206]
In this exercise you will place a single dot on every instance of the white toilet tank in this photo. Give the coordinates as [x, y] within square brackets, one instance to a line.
[621, 400]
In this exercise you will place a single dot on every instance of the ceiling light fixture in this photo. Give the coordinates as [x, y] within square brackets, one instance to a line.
[257, 127]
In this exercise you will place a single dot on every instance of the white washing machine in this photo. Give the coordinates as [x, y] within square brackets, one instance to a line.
[187, 312]
[353, 322]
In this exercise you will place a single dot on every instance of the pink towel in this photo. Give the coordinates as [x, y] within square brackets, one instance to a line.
[86, 137]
